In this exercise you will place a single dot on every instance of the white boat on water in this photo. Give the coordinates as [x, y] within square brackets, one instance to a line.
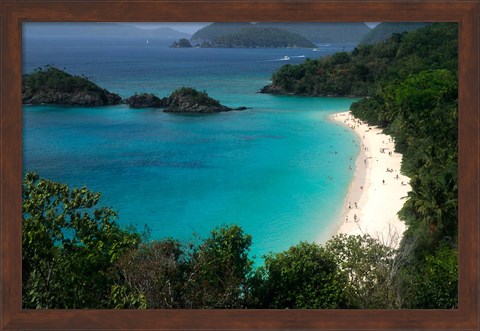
[285, 58]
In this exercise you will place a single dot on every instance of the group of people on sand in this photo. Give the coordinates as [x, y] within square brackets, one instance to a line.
[355, 217]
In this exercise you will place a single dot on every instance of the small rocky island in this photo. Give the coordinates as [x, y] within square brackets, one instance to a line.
[189, 100]
[274, 89]
[182, 100]
[50, 85]
[145, 100]
[182, 43]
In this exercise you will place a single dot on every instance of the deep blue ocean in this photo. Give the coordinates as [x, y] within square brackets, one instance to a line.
[279, 169]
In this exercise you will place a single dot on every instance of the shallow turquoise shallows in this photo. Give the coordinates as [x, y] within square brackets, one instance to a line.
[279, 169]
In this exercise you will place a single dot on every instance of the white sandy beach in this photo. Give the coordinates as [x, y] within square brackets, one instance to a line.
[375, 195]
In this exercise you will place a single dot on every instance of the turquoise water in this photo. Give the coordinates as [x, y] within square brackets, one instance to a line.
[279, 169]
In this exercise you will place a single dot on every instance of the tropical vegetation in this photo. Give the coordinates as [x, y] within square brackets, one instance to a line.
[368, 68]
[75, 255]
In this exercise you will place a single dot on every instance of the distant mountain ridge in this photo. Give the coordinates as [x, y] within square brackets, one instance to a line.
[314, 31]
[383, 31]
[321, 32]
[97, 30]
[218, 29]
[262, 37]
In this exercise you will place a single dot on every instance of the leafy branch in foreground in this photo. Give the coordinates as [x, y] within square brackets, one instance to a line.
[70, 246]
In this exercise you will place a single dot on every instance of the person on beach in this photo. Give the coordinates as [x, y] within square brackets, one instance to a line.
[346, 219]
[355, 217]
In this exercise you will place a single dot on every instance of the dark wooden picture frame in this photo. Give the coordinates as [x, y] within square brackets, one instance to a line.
[15, 12]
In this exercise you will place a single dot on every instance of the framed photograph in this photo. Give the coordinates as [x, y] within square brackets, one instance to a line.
[173, 165]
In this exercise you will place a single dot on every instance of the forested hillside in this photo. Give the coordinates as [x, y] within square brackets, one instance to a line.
[368, 67]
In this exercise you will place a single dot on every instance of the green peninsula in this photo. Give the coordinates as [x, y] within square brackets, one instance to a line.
[362, 71]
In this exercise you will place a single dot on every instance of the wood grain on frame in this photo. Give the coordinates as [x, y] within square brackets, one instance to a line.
[14, 12]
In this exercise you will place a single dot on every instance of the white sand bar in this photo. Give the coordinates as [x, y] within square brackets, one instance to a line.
[378, 193]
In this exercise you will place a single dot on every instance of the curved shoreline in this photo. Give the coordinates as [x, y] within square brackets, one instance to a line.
[377, 192]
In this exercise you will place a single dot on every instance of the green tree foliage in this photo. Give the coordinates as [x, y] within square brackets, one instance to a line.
[421, 114]
[70, 246]
[155, 271]
[369, 267]
[433, 284]
[420, 111]
[219, 270]
[210, 274]
[304, 276]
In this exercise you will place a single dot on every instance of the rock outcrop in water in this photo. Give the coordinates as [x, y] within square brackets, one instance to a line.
[273, 89]
[182, 43]
[145, 100]
[189, 100]
[54, 86]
